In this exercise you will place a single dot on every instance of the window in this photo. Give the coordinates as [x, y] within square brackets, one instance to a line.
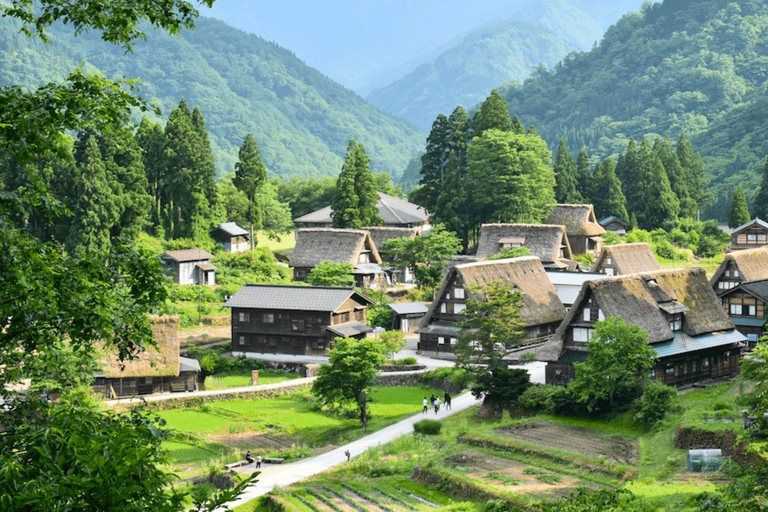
[443, 308]
[241, 340]
[608, 261]
[363, 258]
[653, 373]
[608, 271]
[761, 238]
[297, 325]
[458, 293]
[360, 315]
[735, 309]
[752, 238]
[705, 363]
[440, 340]
[243, 317]
[600, 315]
[343, 317]
[586, 314]
[268, 318]
[735, 273]
[676, 322]
[458, 308]
[581, 334]
[454, 341]
[670, 371]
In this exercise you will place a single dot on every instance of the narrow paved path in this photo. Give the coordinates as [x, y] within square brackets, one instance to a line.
[282, 475]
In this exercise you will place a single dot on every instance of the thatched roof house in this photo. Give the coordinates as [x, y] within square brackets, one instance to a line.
[395, 212]
[678, 308]
[381, 234]
[750, 235]
[622, 259]
[542, 309]
[740, 266]
[547, 242]
[583, 231]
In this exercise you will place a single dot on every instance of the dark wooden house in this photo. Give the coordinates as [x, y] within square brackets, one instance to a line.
[750, 235]
[232, 237]
[549, 243]
[155, 370]
[686, 324]
[189, 266]
[615, 225]
[542, 309]
[585, 235]
[623, 259]
[407, 316]
[395, 212]
[746, 304]
[355, 246]
[295, 319]
[740, 266]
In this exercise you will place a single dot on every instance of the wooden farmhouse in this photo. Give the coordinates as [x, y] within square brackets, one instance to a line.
[542, 310]
[379, 235]
[581, 227]
[295, 319]
[189, 266]
[686, 325]
[623, 259]
[395, 212]
[615, 225]
[232, 237]
[407, 316]
[355, 246]
[750, 235]
[155, 370]
[549, 243]
[740, 266]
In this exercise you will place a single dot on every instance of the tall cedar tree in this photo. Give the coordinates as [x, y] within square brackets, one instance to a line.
[206, 165]
[151, 139]
[454, 206]
[738, 212]
[656, 204]
[608, 197]
[510, 177]
[354, 204]
[250, 177]
[565, 176]
[517, 126]
[95, 210]
[493, 115]
[365, 188]
[433, 164]
[584, 181]
[460, 128]
[628, 170]
[761, 200]
[695, 174]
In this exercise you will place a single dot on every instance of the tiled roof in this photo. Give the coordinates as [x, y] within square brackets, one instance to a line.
[232, 229]
[187, 255]
[292, 297]
[392, 210]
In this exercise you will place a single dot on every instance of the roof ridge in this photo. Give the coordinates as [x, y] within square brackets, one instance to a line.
[302, 286]
[384, 203]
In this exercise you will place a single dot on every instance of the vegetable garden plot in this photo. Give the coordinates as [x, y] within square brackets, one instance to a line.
[621, 450]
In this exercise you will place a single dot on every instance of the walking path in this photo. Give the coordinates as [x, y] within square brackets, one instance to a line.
[287, 474]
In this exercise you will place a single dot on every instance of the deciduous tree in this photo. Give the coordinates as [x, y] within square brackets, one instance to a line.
[327, 273]
[424, 255]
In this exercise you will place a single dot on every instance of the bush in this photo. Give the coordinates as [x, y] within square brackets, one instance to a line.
[380, 316]
[403, 362]
[655, 403]
[456, 376]
[427, 427]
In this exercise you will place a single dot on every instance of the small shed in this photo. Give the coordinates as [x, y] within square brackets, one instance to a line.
[232, 237]
[408, 315]
[189, 266]
[704, 461]
[615, 224]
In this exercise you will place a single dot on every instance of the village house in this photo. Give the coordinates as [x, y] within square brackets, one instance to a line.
[746, 305]
[623, 259]
[189, 266]
[687, 327]
[750, 235]
[155, 370]
[295, 319]
[407, 316]
[581, 227]
[355, 246]
[568, 284]
[395, 212]
[549, 243]
[739, 267]
[232, 237]
[615, 225]
[541, 311]
[379, 235]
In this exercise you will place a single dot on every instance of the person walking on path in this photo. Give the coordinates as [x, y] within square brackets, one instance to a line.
[437, 404]
[258, 461]
[447, 400]
[349, 455]
[424, 404]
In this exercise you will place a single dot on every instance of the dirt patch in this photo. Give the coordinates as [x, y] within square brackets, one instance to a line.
[621, 450]
[361, 501]
[256, 442]
[205, 334]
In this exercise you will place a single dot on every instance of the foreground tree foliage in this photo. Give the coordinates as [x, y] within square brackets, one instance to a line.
[327, 273]
[347, 379]
[424, 255]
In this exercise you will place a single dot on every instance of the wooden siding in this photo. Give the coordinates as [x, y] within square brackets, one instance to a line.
[749, 238]
[138, 386]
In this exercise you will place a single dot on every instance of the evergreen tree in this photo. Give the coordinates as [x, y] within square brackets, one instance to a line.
[629, 173]
[608, 196]
[565, 176]
[460, 128]
[95, 211]
[354, 205]
[151, 139]
[493, 114]
[761, 200]
[694, 173]
[532, 131]
[517, 126]
[584, 181]
[662, 148]
[433, 164]
[454, 206]
[206, 164]
[250, 177]
[656, 204]
[738, 213]
[365, 188]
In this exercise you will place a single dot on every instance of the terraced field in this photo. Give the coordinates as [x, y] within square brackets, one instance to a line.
[341, 497]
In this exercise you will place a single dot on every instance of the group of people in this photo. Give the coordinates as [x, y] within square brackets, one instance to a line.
[250, 459]
[434, 403]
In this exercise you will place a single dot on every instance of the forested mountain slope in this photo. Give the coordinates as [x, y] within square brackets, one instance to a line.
[301, 119]
[697, 66]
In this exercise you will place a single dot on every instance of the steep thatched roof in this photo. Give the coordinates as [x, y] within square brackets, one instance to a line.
[314, 245]
[392, 210]
[542, 240]
[162, 361]
[628, 258]
[751, 263]
[541, 305]
[641, 299]
[380, 234]
[578, 219]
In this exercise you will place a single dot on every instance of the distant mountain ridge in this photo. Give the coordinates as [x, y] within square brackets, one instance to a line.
[301, 119]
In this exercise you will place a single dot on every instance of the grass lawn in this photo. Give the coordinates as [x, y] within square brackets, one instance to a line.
[242, 378]
[284, 243]
[708, 264]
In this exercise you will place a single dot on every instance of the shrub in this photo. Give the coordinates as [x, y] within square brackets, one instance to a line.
[656, 401]
[403, 362]
[427, 427]
[456, 376]
[544, 398]
[380, 316]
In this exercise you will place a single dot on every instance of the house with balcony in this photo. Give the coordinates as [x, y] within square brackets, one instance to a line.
[749, 236]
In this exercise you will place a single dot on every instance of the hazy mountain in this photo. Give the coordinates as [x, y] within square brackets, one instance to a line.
[301, 119]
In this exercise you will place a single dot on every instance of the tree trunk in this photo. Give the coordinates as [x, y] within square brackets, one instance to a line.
[250, 218]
